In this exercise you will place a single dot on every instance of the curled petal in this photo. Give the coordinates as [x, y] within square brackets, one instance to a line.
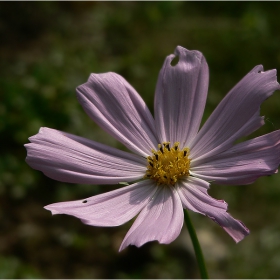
[193, 194]
[109, 209]
[72, 159]
[243, 163]
[115, 106]
[161, 220]
[237, 114]
[180, 96]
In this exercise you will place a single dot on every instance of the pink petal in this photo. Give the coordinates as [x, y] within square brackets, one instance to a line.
[193, 194]
[109, 209]
[243, 163]
[69, 158]
[237, 114]
[115, 106]
[180, 96]
[161, 220]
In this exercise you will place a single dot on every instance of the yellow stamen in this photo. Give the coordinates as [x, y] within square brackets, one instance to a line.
[167, 165]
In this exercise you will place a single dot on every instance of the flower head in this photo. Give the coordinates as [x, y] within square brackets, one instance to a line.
[172, 160]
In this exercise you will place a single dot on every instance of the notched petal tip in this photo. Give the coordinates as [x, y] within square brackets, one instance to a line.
[53, 211]
[170, 60]
[189, 56]
[174, 61]
[180, 51]
[42, 131]
[180, 96]
[272, 74]
[182, 55]
[124, 246]
[257, 69]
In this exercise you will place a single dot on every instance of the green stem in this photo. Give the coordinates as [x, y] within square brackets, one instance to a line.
[196, 246]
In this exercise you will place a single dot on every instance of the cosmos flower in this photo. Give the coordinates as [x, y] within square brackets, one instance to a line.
[172, 161]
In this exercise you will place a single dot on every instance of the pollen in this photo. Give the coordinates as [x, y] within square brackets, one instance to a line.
[169, 164]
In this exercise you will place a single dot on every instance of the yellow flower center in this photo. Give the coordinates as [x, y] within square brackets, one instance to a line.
[167, 165]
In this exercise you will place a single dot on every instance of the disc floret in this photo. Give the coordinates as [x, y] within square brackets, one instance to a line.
[168, 164]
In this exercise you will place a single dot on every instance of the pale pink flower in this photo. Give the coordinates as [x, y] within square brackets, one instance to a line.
[175, 174]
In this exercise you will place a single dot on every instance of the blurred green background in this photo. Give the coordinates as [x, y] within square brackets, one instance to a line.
[47, 49]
